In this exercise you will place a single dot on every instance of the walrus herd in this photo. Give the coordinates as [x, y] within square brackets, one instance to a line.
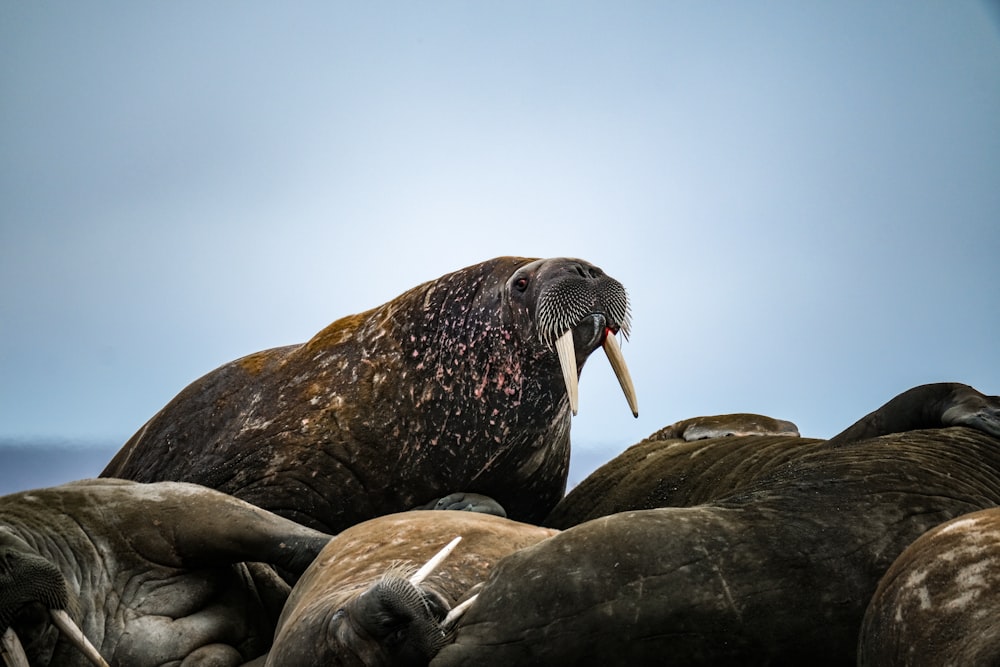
[393, 492]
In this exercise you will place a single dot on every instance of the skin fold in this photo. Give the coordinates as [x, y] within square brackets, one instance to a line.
[153, 574]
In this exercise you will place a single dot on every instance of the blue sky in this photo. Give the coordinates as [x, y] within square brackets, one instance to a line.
[803, 199]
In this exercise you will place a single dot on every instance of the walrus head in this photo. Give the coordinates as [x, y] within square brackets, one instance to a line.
[32, 589]
[576, 308]
[397, 621]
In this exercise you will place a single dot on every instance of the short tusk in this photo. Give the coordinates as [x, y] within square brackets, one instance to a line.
[567, 360]
[432, 564]
[13, 652]
[76, 637]
[614, 352]
[456, 613]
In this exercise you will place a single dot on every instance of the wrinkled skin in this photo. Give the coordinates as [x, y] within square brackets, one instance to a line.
[355, 605]
[939, 603]
[778, 572]
[452, 386]
[152, 574]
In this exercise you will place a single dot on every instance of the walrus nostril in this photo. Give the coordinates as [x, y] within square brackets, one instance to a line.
[585, 272]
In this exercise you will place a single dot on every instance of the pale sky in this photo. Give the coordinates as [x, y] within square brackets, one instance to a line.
[803, 199]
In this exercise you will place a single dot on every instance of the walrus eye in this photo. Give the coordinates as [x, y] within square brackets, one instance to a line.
[521, 284]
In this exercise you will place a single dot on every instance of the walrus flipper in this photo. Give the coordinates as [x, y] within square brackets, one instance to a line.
[937, 405]
[468, 502]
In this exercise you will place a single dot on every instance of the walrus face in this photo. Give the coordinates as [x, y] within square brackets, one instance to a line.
[32, 591]
[397, 621]
[575, 308]
[391, 623]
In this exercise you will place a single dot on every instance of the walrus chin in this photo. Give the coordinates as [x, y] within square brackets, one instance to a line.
[596, 326]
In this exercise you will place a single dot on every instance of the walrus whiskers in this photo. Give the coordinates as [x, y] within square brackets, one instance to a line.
[73, 632]
[431, 565]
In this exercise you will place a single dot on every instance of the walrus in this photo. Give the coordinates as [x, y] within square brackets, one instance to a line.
[939, 603]
[703, 459]
[148, 574]
[778, 572]
[462, 384]
[690, 462]
[363, 602]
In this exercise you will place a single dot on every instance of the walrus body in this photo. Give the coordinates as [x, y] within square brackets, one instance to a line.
[152, 573]
[725, 453]
[939, 603]
[778, 572]
[453, 386]
[353, 605]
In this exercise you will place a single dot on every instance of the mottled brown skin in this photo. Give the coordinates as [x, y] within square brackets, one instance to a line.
[446, 388]
[152, 573]
[327, 620]
[664, 470]
[939, 603]
[779, 572]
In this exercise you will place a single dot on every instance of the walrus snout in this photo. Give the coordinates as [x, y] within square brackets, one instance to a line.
[579, 309]
[31, 582]
[396, 621]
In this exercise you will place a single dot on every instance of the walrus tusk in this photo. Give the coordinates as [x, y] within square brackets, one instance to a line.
[13, 652]
[76, 636]
[432, 564]
[567, 360]
[614, 352]
[456, 613]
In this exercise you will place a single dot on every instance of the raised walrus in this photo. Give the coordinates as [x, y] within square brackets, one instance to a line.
[779, 572]
[939, 603]
[363, 602]
[153, 574]
[464, 383]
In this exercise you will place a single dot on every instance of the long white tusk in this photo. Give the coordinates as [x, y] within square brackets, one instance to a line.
[13, 652]
[432, 564]
[76, 636]
[567, 360]
[614, 352]
[456, 613]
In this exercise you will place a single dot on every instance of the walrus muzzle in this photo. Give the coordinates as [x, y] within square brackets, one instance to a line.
[26, 579]
[575, 316]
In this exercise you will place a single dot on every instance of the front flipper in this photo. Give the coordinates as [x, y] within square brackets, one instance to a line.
[468, 502]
